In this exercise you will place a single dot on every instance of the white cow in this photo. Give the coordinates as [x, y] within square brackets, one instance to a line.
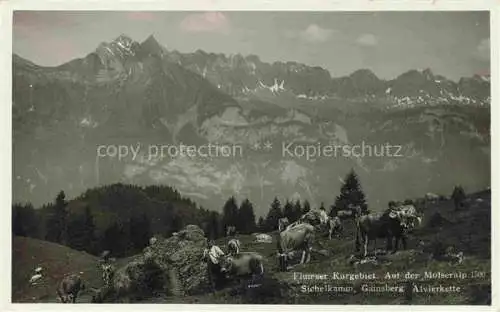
[152, 241]
[263, 238]
[409, 215]
[36, 277]
[298, 238]
[233, 247]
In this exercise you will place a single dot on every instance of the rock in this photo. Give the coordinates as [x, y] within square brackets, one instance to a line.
[170, 266]
[182, 253]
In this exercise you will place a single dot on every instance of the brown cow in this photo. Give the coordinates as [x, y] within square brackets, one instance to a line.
[69, 287]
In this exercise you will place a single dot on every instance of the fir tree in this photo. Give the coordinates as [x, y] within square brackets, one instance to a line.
[351, 194]
[230, 213]
[56, 224]
[246, 217]
[261, 224]
[89, 226]
[297, 211]
[24, 220]
[307, 207]
[214, 227]
[273, 215]
[288, 211]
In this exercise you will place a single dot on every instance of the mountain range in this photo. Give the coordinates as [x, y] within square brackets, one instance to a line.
[141, 94]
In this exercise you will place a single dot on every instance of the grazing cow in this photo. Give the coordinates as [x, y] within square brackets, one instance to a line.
[263, 238]
[153, 241]
[408, 215]
[233, 247]
[108, 273]
[299, 237]
[458, 196]
[386, 224]
[69, 287]
[35, 278]
[334, 226]
[230, 230]
[315, 217]
[213, 255]
[431, 197]
[282, 224]
[105, 255]
[120, 289]
[345, 214]
[242, 265]
[294, 224]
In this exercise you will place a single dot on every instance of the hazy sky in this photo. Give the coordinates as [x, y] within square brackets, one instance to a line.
[453, 44]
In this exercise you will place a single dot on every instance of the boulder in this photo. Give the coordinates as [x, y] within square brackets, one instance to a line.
[181, 256]
[171, 266]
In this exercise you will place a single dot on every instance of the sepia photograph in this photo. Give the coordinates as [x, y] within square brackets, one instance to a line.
[251, 157]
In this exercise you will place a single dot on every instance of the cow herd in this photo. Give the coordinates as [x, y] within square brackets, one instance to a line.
[393, 225]
[293, 238]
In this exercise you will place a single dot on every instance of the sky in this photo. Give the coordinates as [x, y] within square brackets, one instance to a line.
[453, 44]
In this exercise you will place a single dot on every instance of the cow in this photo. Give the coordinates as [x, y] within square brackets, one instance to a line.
[299, 237]
[212, 255]
[294, 224]
[69, 287]
[387, 224]
[345, 214]
[153, 241]
[108, 273]
[120, 288]
[263, 238]
[105, 255]
[334, 226]
[233, 247]
[282, 224]
[242, 265]
[35, 278]
[431, 197]
[315, 217]
[408, 215]
[230, 230]
[458, 196]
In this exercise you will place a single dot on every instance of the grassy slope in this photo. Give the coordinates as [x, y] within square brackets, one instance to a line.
[56, 261]
[468, 231]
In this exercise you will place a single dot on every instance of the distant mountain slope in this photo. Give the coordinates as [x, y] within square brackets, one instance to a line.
[242, 76]
[138, 94]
